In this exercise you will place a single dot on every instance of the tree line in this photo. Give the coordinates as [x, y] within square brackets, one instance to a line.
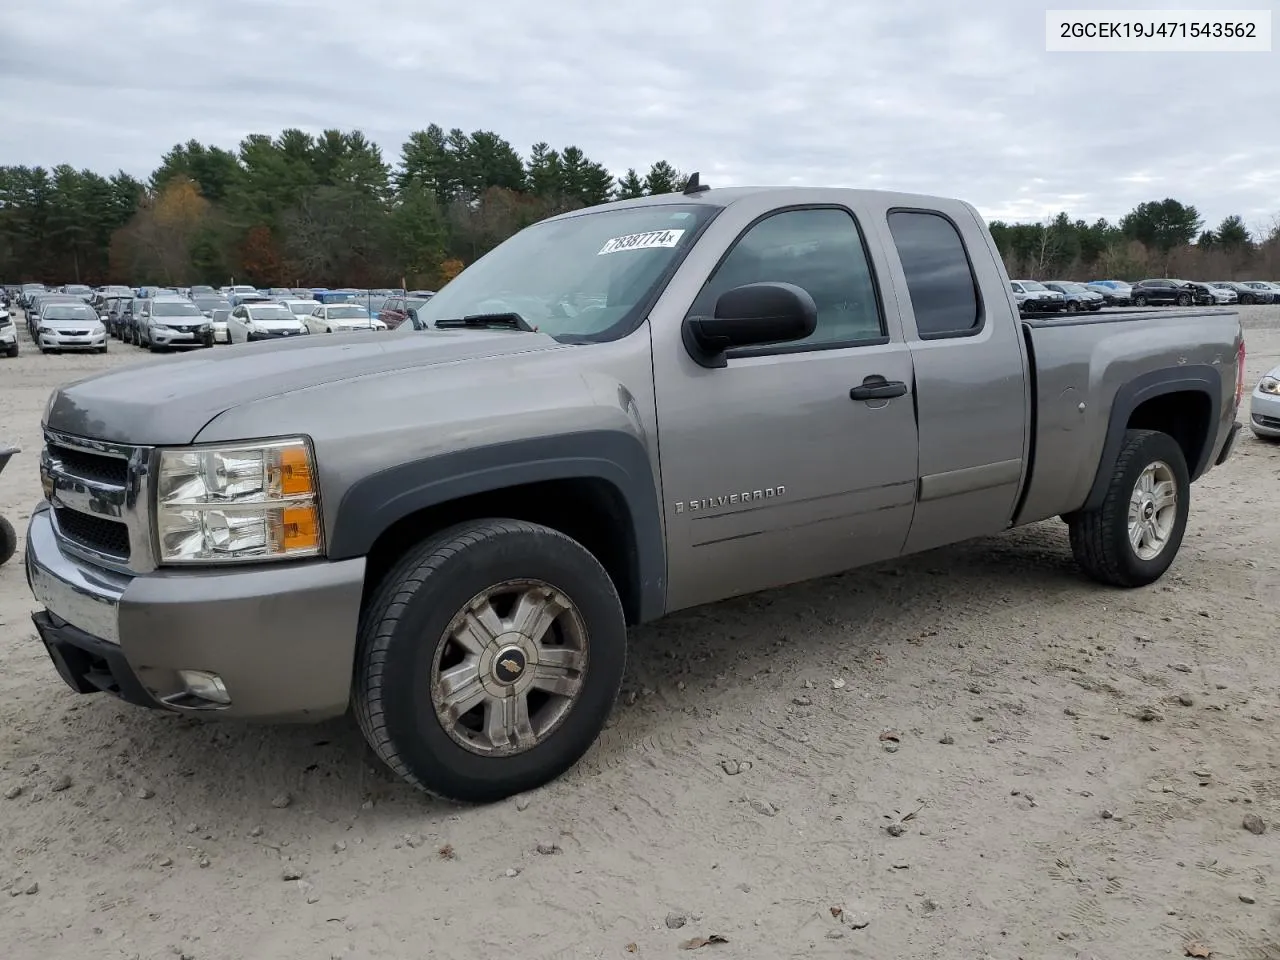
[331, 210]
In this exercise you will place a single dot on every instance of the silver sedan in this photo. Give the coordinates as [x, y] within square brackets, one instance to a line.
[1264, 406]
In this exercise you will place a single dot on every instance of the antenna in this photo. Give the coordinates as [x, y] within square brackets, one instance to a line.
[693, 186]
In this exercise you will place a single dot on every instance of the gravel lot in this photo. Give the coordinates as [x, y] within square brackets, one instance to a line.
[1068, 775]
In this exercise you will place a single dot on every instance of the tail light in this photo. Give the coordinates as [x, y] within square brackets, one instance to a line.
[1240, 373]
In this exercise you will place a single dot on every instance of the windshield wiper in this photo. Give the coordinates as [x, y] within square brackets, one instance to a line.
[511, 320]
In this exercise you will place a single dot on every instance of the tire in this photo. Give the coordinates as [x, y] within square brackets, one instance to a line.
[1184, 300]
[8, 541]
[13, 350]
[406, 640]
[1100, 539]
[102, 349]
[1072, 307]
[1139, 301]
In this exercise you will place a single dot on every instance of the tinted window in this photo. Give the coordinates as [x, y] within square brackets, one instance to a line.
[69, 311]
[818, 250]
[175, 308]
[944, 293]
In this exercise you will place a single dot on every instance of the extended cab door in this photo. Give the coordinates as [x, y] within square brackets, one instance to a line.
[972, 392]
[774, 470]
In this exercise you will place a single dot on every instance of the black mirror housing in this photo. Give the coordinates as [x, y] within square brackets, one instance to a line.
[749, 315]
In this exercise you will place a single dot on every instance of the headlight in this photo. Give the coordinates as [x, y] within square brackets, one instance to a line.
[1270, 385]
[97, 329]
[238, 503]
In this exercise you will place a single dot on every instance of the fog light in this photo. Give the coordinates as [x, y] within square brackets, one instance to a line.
[205, 685]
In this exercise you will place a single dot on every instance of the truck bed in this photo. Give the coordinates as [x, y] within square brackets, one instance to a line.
[1083, 368]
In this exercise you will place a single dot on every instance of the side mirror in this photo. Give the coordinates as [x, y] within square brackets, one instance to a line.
[747, 316]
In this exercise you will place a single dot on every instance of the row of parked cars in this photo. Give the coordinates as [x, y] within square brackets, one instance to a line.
[1052, 296]
[78, 317]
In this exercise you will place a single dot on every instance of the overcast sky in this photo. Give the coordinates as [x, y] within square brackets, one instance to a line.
[927, 95]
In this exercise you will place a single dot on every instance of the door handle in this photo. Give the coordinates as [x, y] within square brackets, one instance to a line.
[878, 388]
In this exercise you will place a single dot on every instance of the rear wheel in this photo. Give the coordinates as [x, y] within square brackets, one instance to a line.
[1184, 300]
[8, 540]
[489, 659]
[1133, 538]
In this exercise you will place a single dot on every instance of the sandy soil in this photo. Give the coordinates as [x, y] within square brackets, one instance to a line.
[1069, 776]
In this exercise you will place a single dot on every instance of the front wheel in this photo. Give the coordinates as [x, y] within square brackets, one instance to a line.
[1133, 538]
[1139, 301]
[488, 660]
[1072, 307]
[1184, 300]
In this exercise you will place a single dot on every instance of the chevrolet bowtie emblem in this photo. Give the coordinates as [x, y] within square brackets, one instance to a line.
[511, 666]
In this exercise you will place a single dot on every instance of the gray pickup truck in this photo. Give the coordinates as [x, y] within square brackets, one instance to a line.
[617, 413]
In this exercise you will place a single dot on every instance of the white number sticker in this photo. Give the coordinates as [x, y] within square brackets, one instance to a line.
[642, 241]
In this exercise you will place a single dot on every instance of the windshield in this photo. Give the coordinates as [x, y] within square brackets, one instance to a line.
[1072, 288]
[270, 311]
[304, 307]
[69, 311]
[76, 288]
[348, 313]
[578, 278]
[212, 303]
[220, 314]
[1032, 285]
[172, 308]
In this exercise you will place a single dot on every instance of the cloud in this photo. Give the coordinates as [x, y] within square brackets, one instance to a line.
[922, 95]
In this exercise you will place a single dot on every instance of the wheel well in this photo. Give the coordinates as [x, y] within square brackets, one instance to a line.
[1183, 416]
[589, 510]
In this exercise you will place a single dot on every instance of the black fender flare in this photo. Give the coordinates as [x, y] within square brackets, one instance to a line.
[1190, 378]
[372, 505]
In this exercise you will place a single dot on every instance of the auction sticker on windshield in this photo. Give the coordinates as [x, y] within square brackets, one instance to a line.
[642, 241]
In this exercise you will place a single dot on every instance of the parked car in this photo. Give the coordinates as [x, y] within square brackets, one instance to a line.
[1162, 291]
[1033, 296]
[209, 302]
[218, 319]
[80, 290]
[451, 537]
[111, 311]
[1245, 293]
[1112, 295]
[1210, 294]
[1264, 406]
[8, 334]
[1077, 296]
[172, 322]
[1262, 291]
[342, 318]
[396, 309]
[1223, 293]
[263, 321]
[69, 326]
[301, 308]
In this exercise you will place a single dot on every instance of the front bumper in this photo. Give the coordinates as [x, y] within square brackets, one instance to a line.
[59, 341]
[255, 335]
[1264, 414]
[280, 636]
[181, 338]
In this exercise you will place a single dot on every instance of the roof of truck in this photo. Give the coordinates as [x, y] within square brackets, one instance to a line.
[726, 196]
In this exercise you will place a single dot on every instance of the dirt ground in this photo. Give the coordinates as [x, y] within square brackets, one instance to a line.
[1068, 775]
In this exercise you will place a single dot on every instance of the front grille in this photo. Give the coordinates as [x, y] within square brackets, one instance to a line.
[99, 492]
[91, 466]
[98, 534]
[1271, 422]
[73, 333]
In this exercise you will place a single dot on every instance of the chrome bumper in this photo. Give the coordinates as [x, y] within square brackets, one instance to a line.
[88, 597]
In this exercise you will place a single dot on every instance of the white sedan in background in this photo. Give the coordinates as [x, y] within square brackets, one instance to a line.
[342, 318]
[264, 321]
[301, 307]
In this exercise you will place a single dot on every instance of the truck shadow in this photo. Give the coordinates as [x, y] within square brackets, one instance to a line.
[224, 772]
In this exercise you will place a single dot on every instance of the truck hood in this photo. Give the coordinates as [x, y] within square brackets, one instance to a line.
[169, 403]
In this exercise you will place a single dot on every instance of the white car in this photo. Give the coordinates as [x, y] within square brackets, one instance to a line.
[263, 321]
[342, 318]
[8, 335]
[301, 307]
[70, 326]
